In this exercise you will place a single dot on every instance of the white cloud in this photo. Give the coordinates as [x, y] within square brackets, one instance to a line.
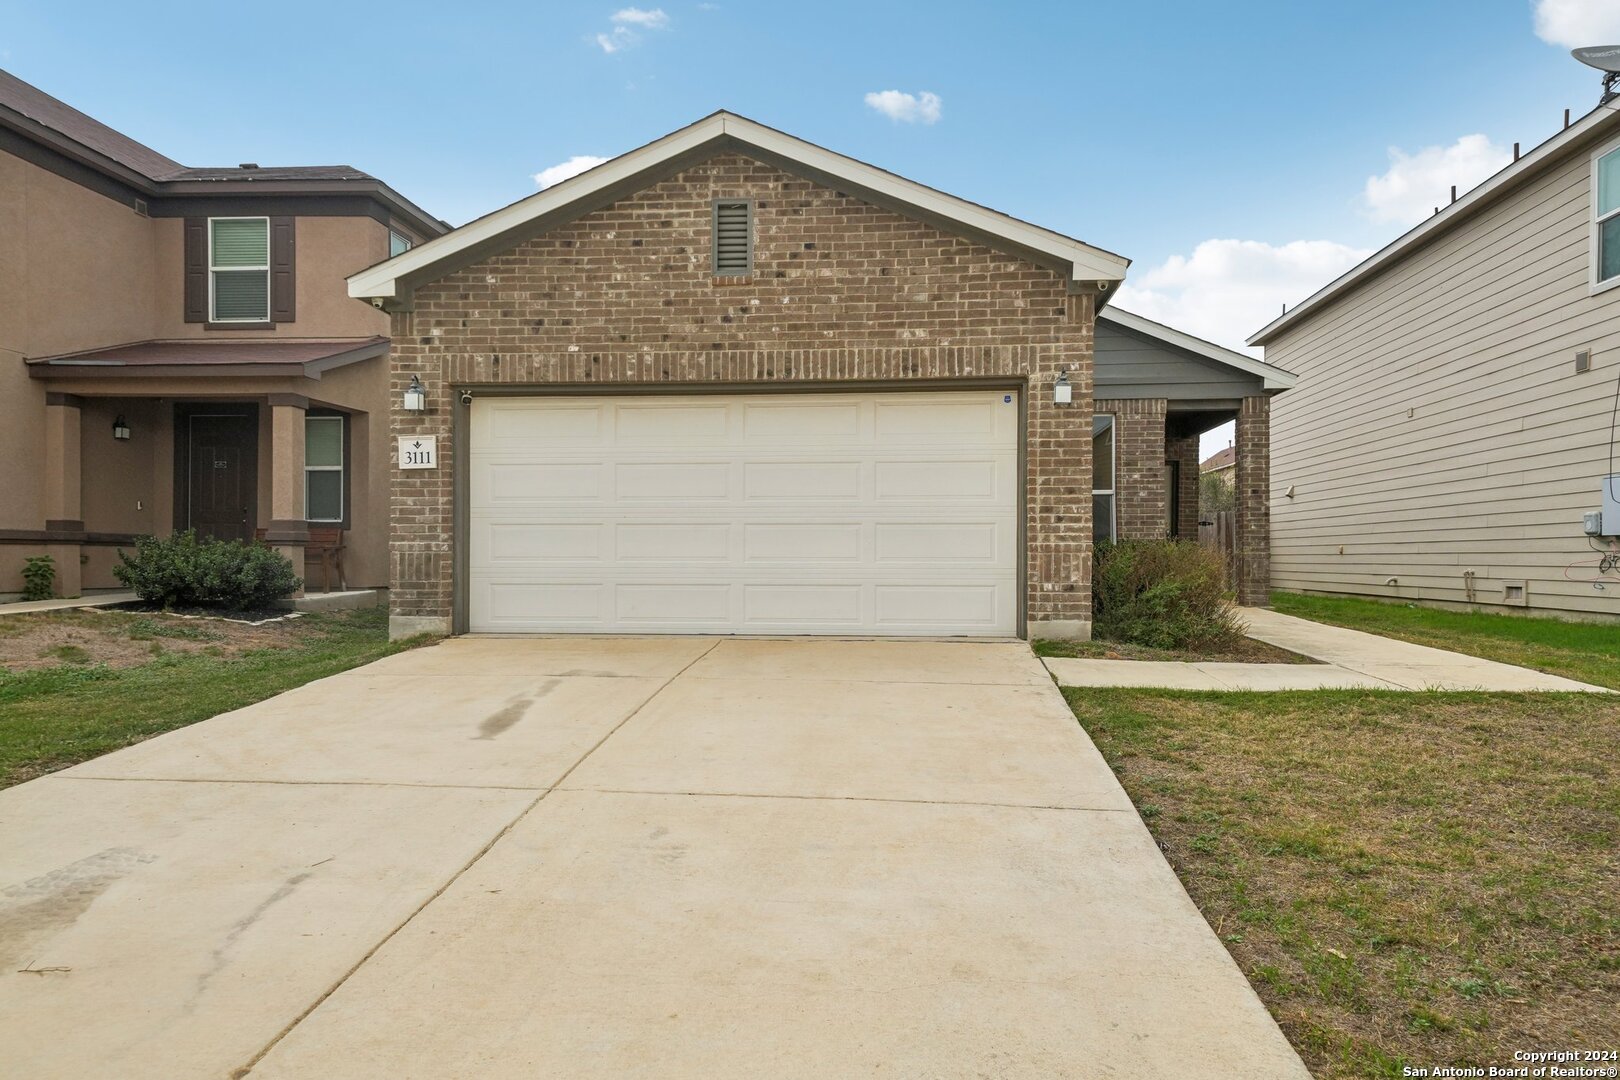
[1417, 183]
[627, 26]
[1573, 23]
[920, 108]
[1227, 289]
[575, 165]
[647, 19]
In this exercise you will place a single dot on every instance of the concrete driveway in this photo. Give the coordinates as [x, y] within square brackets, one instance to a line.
[582, 857]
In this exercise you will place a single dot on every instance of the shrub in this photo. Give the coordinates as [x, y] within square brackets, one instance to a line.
[1165, 594]
[184, 571]
[39, 577]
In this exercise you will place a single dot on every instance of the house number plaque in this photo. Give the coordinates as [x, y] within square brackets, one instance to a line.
[418, 452]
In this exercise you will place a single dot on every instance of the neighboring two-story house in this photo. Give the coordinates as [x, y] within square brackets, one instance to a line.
[1455, 422]
[177, 349]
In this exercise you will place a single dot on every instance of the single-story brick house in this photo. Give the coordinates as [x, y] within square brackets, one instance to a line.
[732, 382]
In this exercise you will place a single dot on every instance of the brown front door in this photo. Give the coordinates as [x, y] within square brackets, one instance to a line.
[221, 447]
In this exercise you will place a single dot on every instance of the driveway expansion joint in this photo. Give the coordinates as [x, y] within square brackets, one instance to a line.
[845, 798]
[500, 835]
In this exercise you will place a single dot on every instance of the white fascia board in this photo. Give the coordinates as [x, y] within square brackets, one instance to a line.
[1086, 263]
[380, 280]
[1271, 376]
[1449, 215]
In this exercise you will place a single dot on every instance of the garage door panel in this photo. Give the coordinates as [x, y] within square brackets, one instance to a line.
[526, 482]
[518, 423]
[676, 481]
[927, 481]
[796, 481]
[802, 542]
[827, 423]
[683, 424]
[673, 541]
[706, 604]
[978, 542]
[818, 606]
[843, 513]
[540, 541]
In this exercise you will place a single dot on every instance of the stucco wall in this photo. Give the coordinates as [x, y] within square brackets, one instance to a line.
[329, 249]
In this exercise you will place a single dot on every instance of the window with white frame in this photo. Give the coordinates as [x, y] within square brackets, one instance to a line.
[239, 270]
[398, 243]
[1102, 478]
[1606, 223]
[323, 468]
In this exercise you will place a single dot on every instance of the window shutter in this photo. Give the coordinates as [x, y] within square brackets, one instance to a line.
[733, 250]
[283, 263]
[196, 256]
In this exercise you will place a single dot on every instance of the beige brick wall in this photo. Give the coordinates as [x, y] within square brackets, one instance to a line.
[841, 291]
[1185, 450]
[1141, 497]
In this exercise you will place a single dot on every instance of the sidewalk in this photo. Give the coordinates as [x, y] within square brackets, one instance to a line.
[1349, 659]
[94, 600]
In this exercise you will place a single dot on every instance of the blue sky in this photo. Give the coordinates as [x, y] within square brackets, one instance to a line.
[1252, 129]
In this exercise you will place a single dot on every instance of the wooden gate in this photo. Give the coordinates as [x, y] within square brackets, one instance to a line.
[1219, 531]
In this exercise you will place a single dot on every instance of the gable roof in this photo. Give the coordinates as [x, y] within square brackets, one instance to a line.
[716, 133]
[43, 120]
[1224, 458]
[1272, 378]
[1595, 125]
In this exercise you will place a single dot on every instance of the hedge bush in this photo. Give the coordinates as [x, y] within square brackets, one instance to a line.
[185, 571]
[1165, 594]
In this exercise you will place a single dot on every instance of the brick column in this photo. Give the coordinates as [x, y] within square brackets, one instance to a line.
[287, 530]
[1185, 451]
[64, 508]
[1058, 482]
[1253, 500]
[1141, 497]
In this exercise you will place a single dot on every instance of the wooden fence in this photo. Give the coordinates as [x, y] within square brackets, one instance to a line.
[1219, 531]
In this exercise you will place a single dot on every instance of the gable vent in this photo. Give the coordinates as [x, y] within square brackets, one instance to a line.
[733, 238]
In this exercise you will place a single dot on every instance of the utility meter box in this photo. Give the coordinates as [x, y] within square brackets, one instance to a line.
[1611, 505]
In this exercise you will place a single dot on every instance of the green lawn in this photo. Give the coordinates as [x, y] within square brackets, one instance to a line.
[1406, 878]
[1589, 652]
[55, 716]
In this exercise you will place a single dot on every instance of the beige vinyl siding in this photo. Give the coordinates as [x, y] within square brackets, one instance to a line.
[1505, 446]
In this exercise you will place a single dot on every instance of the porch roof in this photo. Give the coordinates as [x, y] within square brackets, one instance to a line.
[305, 358]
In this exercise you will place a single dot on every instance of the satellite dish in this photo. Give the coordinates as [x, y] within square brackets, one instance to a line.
[1606, 58]
[1602, 57]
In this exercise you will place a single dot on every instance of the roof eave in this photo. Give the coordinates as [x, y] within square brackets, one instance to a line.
[387, 280]
[1273, 379]
[1487, 192]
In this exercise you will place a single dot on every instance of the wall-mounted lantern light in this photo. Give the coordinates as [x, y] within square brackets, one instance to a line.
[1062, 392]
[121, 428]
[415, 396]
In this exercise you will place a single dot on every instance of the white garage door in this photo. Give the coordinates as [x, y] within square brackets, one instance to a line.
[882, 513]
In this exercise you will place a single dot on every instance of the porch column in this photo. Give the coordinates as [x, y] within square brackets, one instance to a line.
[287, 531]
[1253, 502]
[1183, 450]
[64, 510]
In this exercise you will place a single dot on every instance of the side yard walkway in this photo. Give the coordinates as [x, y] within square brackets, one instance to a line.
[1349, 659]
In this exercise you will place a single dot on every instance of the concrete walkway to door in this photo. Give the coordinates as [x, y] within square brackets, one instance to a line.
[1349, 659]
[617, 858]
